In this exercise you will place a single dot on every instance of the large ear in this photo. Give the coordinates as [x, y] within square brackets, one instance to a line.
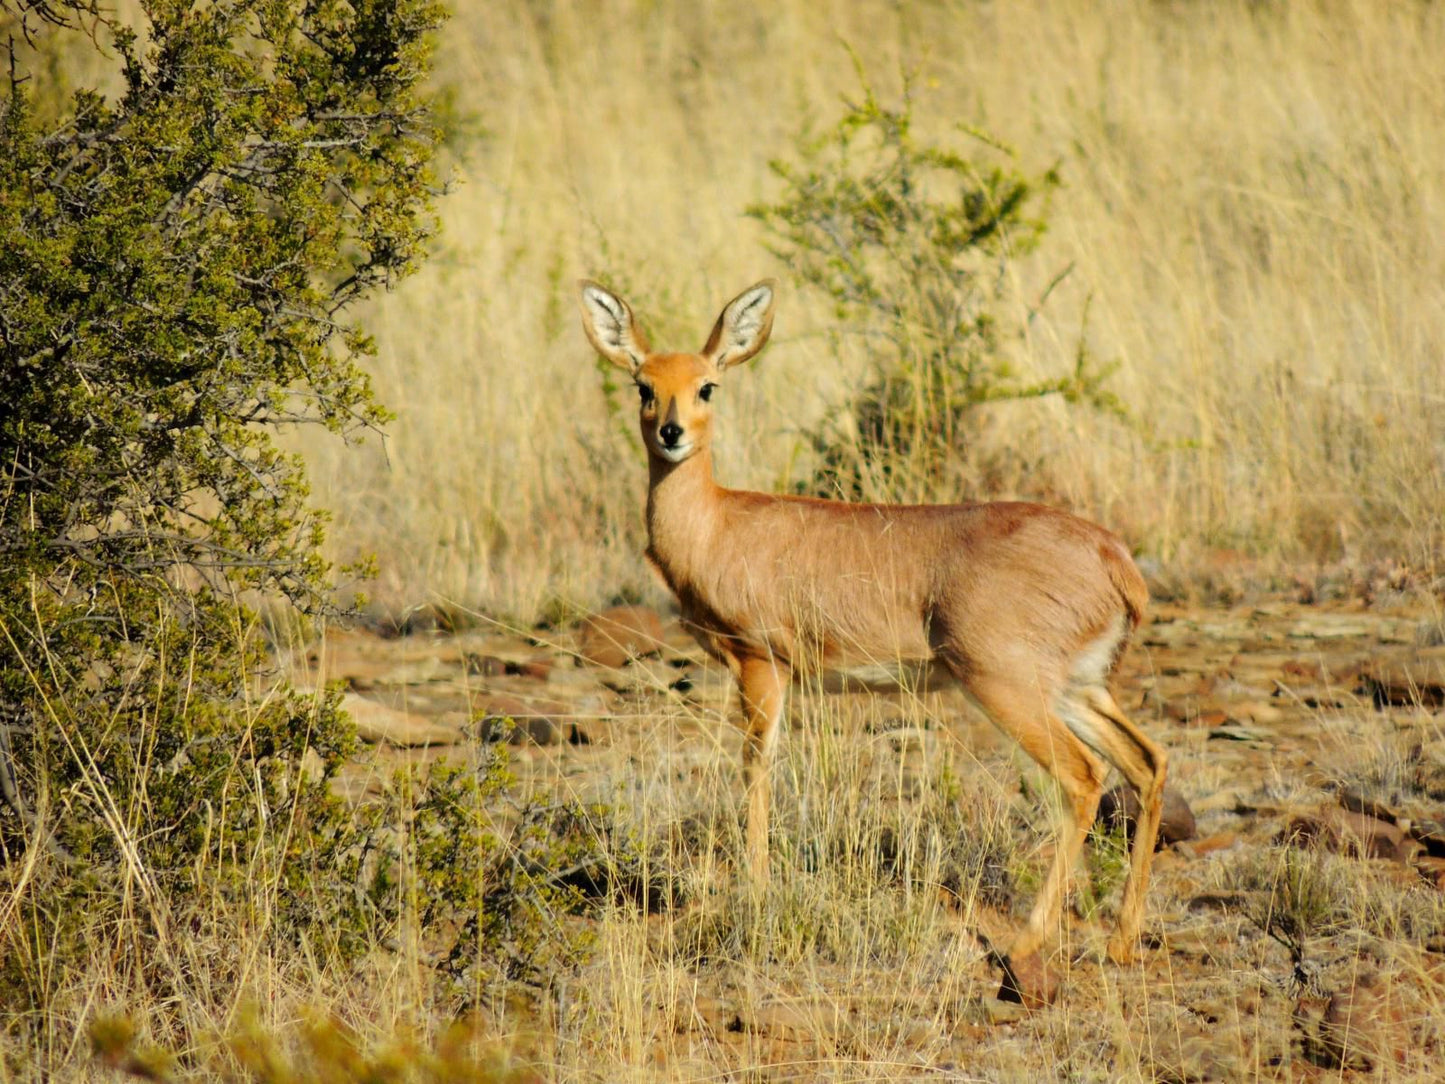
[611, 327]
[743, 328]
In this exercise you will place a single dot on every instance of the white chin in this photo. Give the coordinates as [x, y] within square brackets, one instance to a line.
[677, 454]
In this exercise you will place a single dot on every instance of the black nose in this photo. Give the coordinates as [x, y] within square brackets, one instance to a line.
[671, 433]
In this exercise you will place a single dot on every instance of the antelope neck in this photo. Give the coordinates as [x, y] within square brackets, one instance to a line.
[681, 500]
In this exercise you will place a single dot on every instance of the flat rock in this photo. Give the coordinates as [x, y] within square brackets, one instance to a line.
[1184, 632]
[1369, 835]
[1236, 732]
[379, 723]
[1333, 627]
[1417, 678]
[1430, 868]
[616, 636]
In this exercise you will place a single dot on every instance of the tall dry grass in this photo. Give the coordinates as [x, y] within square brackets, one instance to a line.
[1253, 204]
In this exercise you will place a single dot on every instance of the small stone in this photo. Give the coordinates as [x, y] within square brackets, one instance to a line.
[1120, 806]
[518, 721]
[312, 766]
[1345, 833]
[1301, 669]
[1029, 981]
[1220, 841]
[1368, 835]
[615, 637]
[538, 669]
[1432, 834]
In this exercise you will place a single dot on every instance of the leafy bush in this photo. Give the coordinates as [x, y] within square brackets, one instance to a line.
[495, 874]
[911, 243]
[177, 262]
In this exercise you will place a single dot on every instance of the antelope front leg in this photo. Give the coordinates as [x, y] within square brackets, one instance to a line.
[761, 684]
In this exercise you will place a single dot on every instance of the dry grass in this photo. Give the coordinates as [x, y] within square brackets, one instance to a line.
[906, 832]
[1252, 202]
[859, 963]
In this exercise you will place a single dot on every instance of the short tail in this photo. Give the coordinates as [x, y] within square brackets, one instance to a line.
[1124, 574]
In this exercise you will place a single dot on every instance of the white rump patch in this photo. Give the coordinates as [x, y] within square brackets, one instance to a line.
[1090, 670]
[1090, 667]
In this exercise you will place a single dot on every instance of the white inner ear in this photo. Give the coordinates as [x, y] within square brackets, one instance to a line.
[609, 318]
[746, 318]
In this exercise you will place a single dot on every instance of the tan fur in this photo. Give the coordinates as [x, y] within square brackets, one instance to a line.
[1028, 606]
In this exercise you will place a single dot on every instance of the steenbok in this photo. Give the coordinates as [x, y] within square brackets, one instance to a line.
[1028, 607]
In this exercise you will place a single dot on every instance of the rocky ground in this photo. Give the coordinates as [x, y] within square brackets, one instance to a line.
[1296, 925]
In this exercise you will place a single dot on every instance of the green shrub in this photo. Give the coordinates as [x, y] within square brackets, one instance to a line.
[177, 263]
[495, 874]
[911, 243]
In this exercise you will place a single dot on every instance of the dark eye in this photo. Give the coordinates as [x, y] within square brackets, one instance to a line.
[705, 392]
[645, 393]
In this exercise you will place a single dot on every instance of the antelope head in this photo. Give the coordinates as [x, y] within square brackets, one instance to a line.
[675, 390]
